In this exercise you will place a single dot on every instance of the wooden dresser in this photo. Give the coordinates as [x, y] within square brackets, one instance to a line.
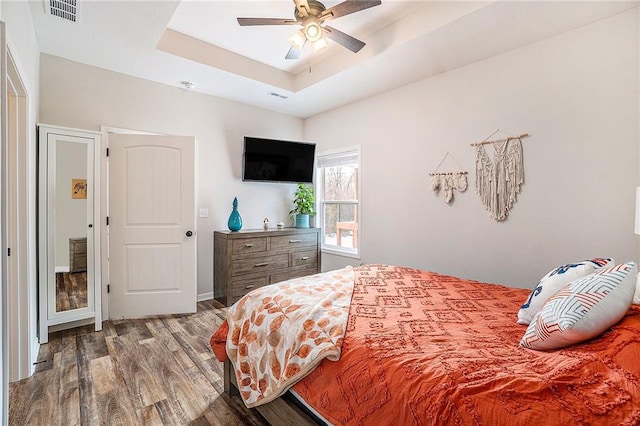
[246, 260]
[78, 254]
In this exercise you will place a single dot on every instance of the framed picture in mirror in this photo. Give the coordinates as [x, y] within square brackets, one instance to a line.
[78, 188]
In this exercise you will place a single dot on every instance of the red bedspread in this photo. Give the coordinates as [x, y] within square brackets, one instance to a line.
[423, 348]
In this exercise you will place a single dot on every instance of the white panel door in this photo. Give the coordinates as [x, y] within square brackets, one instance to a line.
[152, 242]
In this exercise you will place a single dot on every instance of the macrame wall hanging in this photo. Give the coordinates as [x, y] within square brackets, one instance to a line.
[499, 180]
[446, 182]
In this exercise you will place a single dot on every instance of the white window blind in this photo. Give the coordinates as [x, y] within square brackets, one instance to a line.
[347, 158]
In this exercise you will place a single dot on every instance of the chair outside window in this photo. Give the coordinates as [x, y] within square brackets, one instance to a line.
[338, 194]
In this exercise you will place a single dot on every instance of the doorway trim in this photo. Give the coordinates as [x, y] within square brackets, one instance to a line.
[19, 296]
[18, 322]
[4, 240]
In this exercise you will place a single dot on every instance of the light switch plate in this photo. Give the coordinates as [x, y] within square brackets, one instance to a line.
[204, 212]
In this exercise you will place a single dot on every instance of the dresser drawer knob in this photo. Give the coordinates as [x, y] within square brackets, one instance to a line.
[248, 245]
[260, 264]
[248, 286]
[304, 258]
[294, 241]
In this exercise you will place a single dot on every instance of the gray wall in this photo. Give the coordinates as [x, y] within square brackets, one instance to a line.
[102, 97]
[576, 94]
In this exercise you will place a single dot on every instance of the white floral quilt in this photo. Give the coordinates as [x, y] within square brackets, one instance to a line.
[279, 333]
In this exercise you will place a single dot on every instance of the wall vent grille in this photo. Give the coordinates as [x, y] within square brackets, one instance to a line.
[65, 9]
[278, 95]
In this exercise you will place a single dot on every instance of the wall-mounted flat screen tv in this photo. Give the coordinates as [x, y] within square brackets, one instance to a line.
[271, 160]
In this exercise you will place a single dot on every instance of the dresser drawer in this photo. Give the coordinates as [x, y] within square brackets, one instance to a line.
[292, 241]
[80, 247]
[249, 245]
[260, 263]
[79, 263]
[233, 300]
[250, 259]
[293, 273]
[241, 287]
[306, 257]
[77, 254]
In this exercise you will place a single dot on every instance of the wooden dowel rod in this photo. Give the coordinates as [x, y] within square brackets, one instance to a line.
[448, 173]
[524, 135]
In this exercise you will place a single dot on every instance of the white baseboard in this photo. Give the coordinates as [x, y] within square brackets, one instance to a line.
[205, 296]
[62, 269]
[72, 324]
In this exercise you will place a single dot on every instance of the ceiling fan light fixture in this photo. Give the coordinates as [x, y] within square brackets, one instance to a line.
[320, 44]
[311, 15]
[313, 31]
[298, 39]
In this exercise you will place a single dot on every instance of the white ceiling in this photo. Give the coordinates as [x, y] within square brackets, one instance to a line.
[201, 41]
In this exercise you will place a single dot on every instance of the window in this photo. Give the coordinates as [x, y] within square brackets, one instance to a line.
[338, 194]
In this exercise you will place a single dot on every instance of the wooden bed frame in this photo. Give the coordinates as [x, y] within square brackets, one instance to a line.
[286, 410]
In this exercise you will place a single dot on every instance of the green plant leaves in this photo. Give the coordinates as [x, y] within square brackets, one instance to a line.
[304, 201]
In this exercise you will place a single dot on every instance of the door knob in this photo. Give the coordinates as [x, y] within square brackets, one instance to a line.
[189, 233]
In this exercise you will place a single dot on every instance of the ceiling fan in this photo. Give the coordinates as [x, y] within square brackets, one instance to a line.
[311, 15]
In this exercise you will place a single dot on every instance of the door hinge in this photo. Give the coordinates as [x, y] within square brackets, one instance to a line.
[107, 152]
[8, 251]
[108, 288]
[107, 220]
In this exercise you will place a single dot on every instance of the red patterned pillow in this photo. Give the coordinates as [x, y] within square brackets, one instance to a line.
[583, 309]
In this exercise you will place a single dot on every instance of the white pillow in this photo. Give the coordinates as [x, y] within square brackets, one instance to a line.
[583, 309]
[636, 296]
[555, 280]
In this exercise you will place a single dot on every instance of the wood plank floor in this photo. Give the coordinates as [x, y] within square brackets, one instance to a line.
[71, 291]
[150, 371]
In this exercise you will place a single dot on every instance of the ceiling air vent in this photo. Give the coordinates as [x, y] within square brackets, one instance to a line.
[278, 95]
[65, 9]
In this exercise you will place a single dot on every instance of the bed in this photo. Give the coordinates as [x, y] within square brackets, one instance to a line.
[425, 348]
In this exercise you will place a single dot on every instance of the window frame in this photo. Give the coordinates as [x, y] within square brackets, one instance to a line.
[320, 202]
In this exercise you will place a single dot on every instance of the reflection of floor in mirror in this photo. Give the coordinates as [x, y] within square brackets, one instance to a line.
[71, 291]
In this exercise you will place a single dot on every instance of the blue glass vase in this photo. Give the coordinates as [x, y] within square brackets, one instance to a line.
[235, 221]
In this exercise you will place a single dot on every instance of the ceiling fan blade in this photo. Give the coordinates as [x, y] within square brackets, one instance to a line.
[294, 53]
[351, 43]
[246, 22]
[347, 7]
[302, 6]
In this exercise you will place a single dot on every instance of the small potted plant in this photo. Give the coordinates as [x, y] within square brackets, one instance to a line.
[304, 202]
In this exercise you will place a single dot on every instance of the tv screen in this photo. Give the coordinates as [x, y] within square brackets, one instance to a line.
[272, 160]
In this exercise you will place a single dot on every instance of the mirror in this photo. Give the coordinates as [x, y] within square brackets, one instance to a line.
[68, 265]
[71, 224]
